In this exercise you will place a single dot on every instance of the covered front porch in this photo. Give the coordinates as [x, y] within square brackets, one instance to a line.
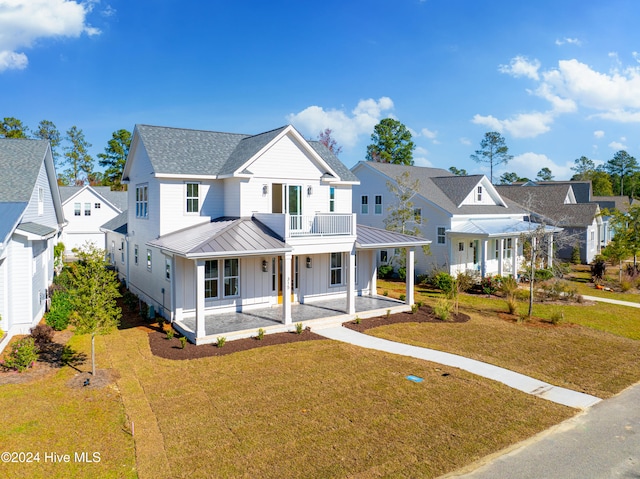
[317, 314]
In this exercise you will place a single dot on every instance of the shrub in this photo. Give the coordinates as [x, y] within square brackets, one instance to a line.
[598, 268]
[170, 334]
[357, 320]
[42, 334]
[512, 304]
[557, 289]
[299, 328]
[443, 281]
[402, 297]
[24, 353]
[61, 308]
[414, 308]
[183, 342]
[388, 313]
[130, 299]
[220, 341]
[385, 293]
[442, 309]
[422, 279]
[508, 286]
[542, 274]
[575, 254]
[160, 320]
[260, 335]
[626, 283]
[402, 273]
[489, 285]
[557, 316]
[464, 282]
[385, 271]
[144, 309]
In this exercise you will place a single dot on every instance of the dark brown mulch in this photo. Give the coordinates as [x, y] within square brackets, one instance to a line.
[424, 314]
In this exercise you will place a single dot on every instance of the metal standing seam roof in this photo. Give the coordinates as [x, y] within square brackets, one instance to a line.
[368, 237]
[498, 227]
[36, 229]
[117, 224]
[222, 237]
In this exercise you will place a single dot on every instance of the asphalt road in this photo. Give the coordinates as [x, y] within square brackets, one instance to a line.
[601, 443]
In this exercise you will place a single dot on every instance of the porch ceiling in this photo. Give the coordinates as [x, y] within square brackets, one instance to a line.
[493, 228]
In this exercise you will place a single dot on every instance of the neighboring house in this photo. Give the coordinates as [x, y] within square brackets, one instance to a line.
[115, 231]
[31, 219]
[609, 204]
[86, 209]
[557, 204]
[222, 222]
[473, 228]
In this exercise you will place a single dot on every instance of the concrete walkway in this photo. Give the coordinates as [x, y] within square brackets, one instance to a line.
[512, 379]
[612, 301]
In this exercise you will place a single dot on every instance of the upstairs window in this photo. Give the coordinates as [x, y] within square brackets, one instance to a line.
[87, 209]
[193, 198]
[40, 201]
[364, 205]
[167, 269]
[77, 209]
[479, 193]
[135, 255]
[149, 259]
[417, 215]
[442, 239]
[332, 199]
[378, 205]
[142, 201]
[122, 252]
[96, 206]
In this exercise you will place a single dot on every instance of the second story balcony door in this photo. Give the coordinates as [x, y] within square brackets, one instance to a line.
[294, 200]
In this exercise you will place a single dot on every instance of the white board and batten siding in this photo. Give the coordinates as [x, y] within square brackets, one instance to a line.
[32, 213]
[173, 196]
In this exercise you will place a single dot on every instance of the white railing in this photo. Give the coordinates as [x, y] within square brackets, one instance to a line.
[329, 224]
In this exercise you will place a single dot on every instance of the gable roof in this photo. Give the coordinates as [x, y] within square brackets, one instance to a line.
[620, 203]
[117, 224]
[117, 199]
[178, 151]
[443, 188]
[581, 189]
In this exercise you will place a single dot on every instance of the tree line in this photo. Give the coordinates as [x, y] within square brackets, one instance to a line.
[74, 164]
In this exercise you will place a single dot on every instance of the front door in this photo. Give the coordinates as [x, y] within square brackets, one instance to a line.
[279, 277]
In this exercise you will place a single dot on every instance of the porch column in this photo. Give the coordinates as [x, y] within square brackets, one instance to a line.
[514, 254]
[351, 282]
[178, 289]
[550, 251]
[200, 331]
[483, 257]
[410, 279]
[501, 256]
[373, 282]
[286, 286]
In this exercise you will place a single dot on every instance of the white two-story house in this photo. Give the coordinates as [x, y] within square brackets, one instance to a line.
[472, 227]
[223, 222]
[31, 219]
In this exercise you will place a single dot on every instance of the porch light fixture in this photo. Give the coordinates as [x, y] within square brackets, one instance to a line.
[265, 189]
[308, 261]
[309, 190]
[264, 266]
[470, 244]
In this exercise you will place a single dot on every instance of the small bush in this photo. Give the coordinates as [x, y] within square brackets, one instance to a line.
[357, 320]
[299, 328]
[183, 342]
[385, 271]
[508, 286]
[402, 297]
[414, 308]
[130, 299]
[170, 334]
[598, 268]
[385, 293]
[220, 341]
[575, 255]
[160, 320]
[260, 335]
[420, 304]
[464, 282]
[489, 285]
[557, 316]
[402, 273]
[144, 309]
[24, 353]
[443, 281]
[42, 334]
[388, 313]
[58, 315]
[512, 304]
[422, 279]
[443, 308]
[626, 283]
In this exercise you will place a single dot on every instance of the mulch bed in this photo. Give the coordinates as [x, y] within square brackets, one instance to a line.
[424, 314]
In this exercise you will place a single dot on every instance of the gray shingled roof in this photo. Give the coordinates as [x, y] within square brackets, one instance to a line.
[620, 203]
[223, 237]
[117, 224]
[368, 237]
[20, 163]
[116, 198]
[581, 189]
[198, 152]
[444, 189]
[10, 214]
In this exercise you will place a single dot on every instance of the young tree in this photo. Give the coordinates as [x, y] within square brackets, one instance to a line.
[494, 151]
[47, 131]
[458, 172]
[94, 291]
[13, 128]
[77, 157]
[544, 175]
[114, 158]
[622, 164]
[325, 138]
[584, 168]
[509, 178]
[391, 143]
[626, 227]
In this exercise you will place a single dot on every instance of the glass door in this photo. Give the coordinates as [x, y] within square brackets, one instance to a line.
[294, 199]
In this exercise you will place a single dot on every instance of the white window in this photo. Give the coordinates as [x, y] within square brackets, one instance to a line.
[508, 246]
[149, 259]
[193, 198]
[77, 209]
[417, 215]
[461, 246]
[364, 205]
[40, 201]
[378, 205]
[442, 239]
[96, 206]
[274, 274]
[211, 279]
[167, 269]
[142, 201]
[479, 193]
[122, 252]
[383, 256]
[336, 269]
[332, 199]
[87, 209]
[135, 255]
[231, 277]
[497, 243]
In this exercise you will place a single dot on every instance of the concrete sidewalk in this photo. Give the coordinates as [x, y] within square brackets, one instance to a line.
[612, 301]
[518, 381]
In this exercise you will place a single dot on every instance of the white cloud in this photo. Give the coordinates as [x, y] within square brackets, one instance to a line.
[616, 145]
[570, 41]
[421, 161]
[598, 134]
[465, 141]
[429, 134]
[23, 22]
[346, 127]
[521, 67]
[528, 164]
[523, 125]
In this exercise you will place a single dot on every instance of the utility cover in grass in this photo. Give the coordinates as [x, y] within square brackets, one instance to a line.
[415, 379]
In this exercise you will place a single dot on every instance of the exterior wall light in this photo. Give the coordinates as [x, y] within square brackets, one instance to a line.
[265, 189]
[309, 190]
[264, 266]
[308, 261]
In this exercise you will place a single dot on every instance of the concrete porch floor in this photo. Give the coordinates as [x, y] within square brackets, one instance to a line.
[317, 314]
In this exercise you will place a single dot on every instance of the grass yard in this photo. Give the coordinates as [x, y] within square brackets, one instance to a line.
[47, 417]
[315, 409]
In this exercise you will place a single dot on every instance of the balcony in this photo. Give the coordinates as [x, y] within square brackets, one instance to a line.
[317, 225]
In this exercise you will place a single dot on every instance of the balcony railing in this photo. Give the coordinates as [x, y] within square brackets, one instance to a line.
[321, 225]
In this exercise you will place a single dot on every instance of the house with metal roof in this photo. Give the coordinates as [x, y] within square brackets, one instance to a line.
[473, 228]
[557, 204]
[225, 223]
[86, 208]
[31, 219]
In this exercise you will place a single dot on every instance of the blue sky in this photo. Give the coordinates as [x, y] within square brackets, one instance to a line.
[558, 79]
